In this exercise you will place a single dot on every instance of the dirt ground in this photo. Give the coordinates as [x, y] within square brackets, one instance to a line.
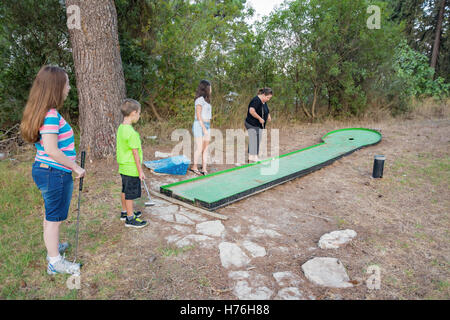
[401, 221]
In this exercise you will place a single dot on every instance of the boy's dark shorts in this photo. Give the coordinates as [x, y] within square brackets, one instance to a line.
[131, 186]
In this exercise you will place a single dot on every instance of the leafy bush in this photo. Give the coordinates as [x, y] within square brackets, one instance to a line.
[413, 69]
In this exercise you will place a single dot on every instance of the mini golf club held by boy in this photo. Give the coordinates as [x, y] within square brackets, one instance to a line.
[149, 203]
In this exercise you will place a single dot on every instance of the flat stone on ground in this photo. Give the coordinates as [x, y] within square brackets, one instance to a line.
[232, 256]
[211, 228]
[328, 272]
[286, 278]
[203, 241]
[192, 216]
[243, 291]
[183, 229]
[290, 293]
[183, 219]
[254, 249]
[335, 239]
[238, 275]
[259, 232]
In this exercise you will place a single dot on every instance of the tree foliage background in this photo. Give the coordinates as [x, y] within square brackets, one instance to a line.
[320, 57]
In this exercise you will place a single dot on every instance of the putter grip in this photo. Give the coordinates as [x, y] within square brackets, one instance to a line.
[83, 158]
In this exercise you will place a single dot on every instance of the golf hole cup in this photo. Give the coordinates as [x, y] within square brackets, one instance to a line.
[378, 166]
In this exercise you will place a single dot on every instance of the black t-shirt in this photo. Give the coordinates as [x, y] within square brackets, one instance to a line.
[261, 109]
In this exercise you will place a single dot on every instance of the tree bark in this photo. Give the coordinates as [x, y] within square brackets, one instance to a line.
[306, 110]
[152, 106]
[437, 38]
[313, 107]
[99, 75]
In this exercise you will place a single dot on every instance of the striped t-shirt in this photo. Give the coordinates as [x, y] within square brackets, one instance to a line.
[54, 123]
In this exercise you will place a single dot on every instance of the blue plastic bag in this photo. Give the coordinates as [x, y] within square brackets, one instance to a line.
[173, 165]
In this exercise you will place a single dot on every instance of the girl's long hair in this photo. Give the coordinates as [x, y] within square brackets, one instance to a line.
[45, 94]
[203, 91]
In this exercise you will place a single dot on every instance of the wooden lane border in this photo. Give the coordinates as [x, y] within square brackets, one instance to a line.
[188, 206]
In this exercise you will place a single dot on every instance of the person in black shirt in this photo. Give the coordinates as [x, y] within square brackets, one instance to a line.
[258, 115]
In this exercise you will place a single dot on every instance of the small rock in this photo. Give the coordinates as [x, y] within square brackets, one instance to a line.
[211, 228]
[232, 255]
[258, 232]
[291, 293]
[238, 275]
[286, 278]
[254, 249]
[328, 272]
[243, 291]
[173, 238]
[192, 216]
[183, 219]
[335, 239]
[183, 229]
[203, 241]
[152, 259]
[236, 229]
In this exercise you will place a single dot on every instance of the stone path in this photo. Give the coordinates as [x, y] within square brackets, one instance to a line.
[187, 228]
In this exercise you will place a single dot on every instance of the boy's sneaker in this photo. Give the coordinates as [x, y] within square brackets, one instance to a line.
[63, 266]
[123, 215]
[62, 247]
[135, 223]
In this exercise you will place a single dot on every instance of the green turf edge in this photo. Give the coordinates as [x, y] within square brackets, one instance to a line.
[166, 187]
[351, 129]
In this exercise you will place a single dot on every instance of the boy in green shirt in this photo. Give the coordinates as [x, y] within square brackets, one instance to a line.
[129, 158]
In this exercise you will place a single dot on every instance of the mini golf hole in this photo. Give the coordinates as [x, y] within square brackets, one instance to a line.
[351, 139]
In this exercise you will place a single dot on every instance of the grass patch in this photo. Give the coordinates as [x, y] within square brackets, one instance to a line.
[22, 250]
[173, 252]
[422, 169]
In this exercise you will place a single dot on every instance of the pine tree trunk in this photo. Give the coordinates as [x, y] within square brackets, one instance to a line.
[437, 38]
[99, 75]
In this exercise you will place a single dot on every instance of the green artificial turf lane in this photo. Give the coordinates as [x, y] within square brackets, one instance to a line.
[230, 183]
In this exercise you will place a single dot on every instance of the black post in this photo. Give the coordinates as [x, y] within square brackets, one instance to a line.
[378, 166]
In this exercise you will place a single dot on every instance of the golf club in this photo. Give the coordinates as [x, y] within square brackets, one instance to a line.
[149, 203]
[83, 157]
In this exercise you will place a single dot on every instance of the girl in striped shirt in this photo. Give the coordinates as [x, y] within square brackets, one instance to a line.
[55, 158]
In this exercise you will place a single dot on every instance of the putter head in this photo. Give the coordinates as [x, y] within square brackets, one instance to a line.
[149, 204]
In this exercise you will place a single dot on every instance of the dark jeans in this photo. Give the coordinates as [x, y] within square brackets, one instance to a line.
[254, 139]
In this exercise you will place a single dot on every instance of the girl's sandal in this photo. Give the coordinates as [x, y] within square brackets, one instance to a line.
[197, 172]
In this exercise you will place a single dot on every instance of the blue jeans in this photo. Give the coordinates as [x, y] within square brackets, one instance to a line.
[56, 187]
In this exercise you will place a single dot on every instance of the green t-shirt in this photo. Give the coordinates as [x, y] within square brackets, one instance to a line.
[128, 139]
